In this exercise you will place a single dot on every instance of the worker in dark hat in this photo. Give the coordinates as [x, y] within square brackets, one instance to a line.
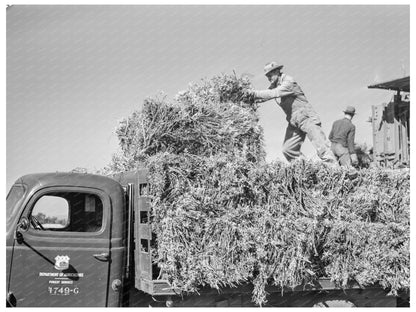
[302, 118]
[342, 138]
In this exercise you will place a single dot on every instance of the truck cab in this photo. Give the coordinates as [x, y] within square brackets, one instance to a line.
[66, 240]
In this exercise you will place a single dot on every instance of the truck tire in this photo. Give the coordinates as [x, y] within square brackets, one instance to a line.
[169, 302]
[334, 303]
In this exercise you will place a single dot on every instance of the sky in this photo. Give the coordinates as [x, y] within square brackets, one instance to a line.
[73, 72]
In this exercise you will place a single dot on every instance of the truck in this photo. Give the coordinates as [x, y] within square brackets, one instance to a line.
[85, 240]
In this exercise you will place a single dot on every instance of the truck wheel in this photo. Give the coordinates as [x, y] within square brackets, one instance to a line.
[334, 303]
[169, 303]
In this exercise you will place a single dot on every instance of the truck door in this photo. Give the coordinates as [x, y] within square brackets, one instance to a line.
[61, 255]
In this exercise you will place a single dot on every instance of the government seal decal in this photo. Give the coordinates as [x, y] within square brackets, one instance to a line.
[61, 263]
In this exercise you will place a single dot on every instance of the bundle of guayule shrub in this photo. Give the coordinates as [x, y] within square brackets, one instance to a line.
[223, 216]
[209, 118]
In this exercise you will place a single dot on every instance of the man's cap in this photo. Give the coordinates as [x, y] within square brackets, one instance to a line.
[269, 67]
[350, 110]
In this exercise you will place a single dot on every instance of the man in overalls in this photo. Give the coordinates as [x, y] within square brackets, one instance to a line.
[302, 119]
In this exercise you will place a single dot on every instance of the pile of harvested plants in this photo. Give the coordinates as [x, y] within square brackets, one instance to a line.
[207, 119]
[223, 216]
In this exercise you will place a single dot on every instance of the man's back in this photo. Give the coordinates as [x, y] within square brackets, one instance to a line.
[343, 132]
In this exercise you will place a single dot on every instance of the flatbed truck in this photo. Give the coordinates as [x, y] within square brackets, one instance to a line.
[84, 240]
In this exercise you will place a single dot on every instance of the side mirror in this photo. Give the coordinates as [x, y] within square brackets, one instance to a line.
[22, 227]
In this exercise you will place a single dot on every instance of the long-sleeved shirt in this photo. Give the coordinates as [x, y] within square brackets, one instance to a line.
[343, 132]
[292, 100]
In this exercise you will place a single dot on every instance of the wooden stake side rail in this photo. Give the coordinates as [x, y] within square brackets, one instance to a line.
[143, 233]
[143, 268]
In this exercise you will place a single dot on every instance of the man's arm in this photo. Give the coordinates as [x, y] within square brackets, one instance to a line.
[350, 140]
[285, 89]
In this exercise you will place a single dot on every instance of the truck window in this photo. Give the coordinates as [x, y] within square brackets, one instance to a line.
[67, 211]
[52, 212]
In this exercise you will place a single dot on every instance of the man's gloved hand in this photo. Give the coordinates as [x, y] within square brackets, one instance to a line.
[354, 159]
[248, 95]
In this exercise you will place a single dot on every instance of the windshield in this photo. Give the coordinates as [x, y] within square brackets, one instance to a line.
[14, 198]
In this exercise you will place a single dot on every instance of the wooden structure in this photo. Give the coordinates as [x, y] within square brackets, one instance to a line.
[391, 125]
